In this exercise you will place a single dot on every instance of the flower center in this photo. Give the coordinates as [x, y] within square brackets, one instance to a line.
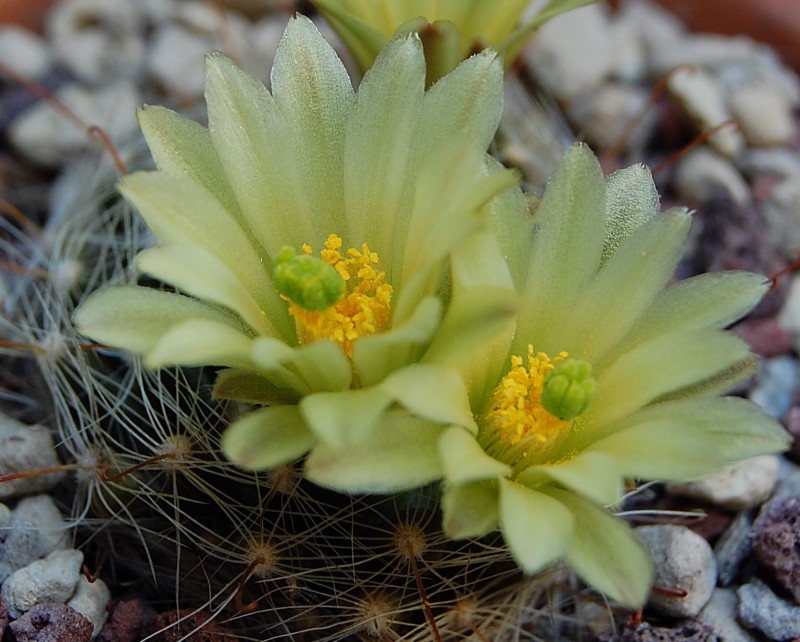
[362, 307]
[530, 411]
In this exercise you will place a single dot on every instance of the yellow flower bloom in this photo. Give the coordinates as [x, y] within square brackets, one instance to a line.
[385, 183]
[451, 30]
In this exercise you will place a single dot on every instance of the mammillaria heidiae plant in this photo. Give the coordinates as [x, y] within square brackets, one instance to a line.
[609, 375]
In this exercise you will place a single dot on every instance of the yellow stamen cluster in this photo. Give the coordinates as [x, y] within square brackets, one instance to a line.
[516, 426]
[364, 309]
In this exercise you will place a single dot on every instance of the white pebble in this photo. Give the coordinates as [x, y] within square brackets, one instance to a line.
[781, 214]
[602, 116]
[702, 172]
[703, 50]
[26, 448]
[683, 561]
[764, 115]
[177, 60]
[703, 97]
[90, 600]
[5, 515]
[789, 316]
[50, 524]
[739, 486]
[24, 52]
[98, 41]
[775, 161]
[656, 27]
[46, 137]
[573, 52]
[53, 578]
[720, 614]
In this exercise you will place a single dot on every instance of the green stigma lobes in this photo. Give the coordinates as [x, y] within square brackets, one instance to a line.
[568, 389]
[307, 281]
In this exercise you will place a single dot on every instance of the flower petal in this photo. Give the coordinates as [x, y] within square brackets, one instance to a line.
[658, 367]
[469, 510]
[248, 387]
[605, 552]
[376, 355]
[400, 456]
[594, 475]
[267, 437]
[535, 526]
[387, 110]
[566, 249]
[182, 147]
[342, 419]
[135, 318]
[322, 365]
[464, 461]
[625, 287]
[313, 92]
[197, 342]
[197, 272]
[431, 391]
[688, 438]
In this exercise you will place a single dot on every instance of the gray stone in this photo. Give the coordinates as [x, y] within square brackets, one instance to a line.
[776, 541]
[764, 114]
[720, 615]
[760, 608]
[24, 52]
[777, 381]
[46, 137]
[738, 486]
[53, 578]
[703, 97]
[26, 448]
[574, 52]
[91, 600]
[51, 622]
[602, 115]
[733, 547]
[98, 41]
[20, 547]
[48, 521]
[176, 60]
[781, 214]
[702, 172]
[683, 561]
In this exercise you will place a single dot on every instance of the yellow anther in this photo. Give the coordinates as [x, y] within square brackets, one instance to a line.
[365, 307]
[516, 426]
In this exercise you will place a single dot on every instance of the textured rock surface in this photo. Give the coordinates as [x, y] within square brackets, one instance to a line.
[124, 623]
[732, 548]
[52, 578]
[91, 601]
[760, 608]
[683, 561]
[24, 448]
[720, 615]
[51, 622]
[776, 541]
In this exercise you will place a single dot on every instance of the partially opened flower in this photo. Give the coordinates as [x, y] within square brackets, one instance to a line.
[610, 375]
[451, 30]
[307, 231]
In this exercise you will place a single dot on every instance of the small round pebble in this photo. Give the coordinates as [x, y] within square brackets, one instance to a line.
[91, 600]
[776, 541]
[24, 52]
[53, 578]
[720, 615]
[702, 172]
[777, 381]
[46, 137]
[683, 561]
[51, 622]
[703, 98]
[760, 608]
[20, 547]
[732, 548]
[764, 113]
[48, 521]
[739, 486]
[25, 448]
